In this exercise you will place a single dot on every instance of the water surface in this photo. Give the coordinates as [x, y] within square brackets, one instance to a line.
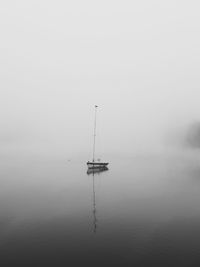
[143, 211]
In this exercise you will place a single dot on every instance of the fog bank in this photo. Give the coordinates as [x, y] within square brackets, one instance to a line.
[138, 61]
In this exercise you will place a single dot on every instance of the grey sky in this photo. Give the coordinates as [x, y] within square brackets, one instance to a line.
[138, 60]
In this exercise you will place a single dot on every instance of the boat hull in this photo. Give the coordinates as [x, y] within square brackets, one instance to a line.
[98, 165]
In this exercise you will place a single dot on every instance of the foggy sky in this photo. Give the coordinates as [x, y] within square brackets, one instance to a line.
[137, 60]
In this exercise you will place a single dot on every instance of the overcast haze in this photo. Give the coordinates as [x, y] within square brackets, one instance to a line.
[137, 60]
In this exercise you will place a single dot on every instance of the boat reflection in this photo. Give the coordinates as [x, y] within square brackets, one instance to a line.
[96, 170]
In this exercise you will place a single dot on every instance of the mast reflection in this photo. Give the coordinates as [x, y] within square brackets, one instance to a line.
[95, 171]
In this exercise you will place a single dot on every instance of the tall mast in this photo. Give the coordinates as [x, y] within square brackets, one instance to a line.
[95, 118]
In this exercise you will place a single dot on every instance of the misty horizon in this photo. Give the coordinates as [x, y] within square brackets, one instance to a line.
[137, 61]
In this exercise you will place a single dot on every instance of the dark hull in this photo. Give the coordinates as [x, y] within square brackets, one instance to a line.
[94, 165]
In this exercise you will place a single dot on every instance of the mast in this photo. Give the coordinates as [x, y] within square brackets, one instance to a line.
[95, 118]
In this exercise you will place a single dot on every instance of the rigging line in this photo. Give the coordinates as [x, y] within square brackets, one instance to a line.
[95, 119]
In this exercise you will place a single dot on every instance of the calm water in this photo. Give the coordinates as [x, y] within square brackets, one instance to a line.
[143, 211]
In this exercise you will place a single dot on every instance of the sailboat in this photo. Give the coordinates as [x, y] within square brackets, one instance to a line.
[96, 164]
